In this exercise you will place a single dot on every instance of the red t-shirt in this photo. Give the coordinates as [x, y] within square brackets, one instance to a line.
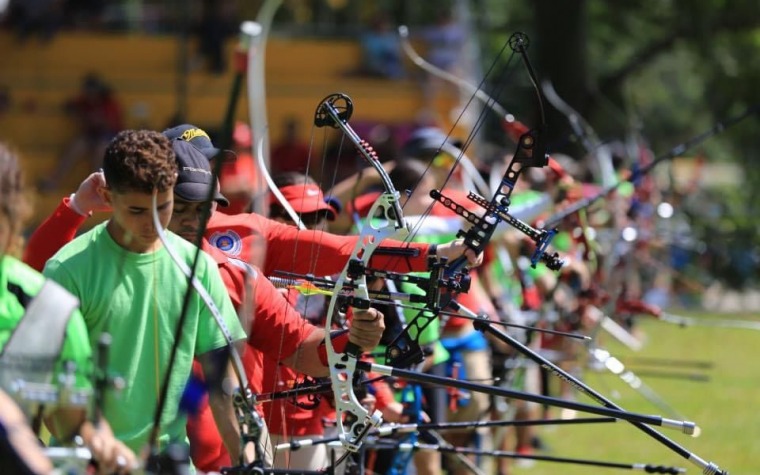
[282, 416]
[276, 330]
[249, 237]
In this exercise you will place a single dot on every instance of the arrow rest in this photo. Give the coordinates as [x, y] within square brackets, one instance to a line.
[552, 261]
[312, 400]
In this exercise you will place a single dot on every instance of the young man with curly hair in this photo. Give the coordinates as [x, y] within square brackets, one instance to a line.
[129, 287]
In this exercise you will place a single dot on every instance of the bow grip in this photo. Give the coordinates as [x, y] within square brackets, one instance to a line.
[455, 266]
[353, 349]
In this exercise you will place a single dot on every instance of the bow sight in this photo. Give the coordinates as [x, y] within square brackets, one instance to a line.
[483, 228]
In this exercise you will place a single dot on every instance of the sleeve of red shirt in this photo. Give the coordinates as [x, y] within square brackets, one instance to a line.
[383, 392]
[277, 329]
[294, 250]
[55, 232]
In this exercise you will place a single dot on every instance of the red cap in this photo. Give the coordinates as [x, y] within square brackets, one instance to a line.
[305, 199]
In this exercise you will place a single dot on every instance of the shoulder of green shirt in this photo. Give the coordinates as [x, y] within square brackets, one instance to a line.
[76, 347]
[16, 272]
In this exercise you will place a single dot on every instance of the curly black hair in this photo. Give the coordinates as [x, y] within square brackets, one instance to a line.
[140, 160]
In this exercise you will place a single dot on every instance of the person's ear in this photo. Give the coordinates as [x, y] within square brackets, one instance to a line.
[106, 194]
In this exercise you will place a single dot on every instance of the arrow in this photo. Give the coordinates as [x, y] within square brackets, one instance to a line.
[648, 468]
[709, 322]
[391, 429]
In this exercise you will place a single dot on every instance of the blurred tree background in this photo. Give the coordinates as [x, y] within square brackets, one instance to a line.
[663, 71]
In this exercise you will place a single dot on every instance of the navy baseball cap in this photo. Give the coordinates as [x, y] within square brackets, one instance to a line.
[194, 174]
[200, 140]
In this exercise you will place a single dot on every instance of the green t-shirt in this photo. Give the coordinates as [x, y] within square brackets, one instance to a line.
[137, 298]
[19, 284]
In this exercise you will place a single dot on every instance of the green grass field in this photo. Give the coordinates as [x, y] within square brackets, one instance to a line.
[727, 407]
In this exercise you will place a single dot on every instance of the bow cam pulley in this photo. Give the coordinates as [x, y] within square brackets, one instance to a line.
[339, 104]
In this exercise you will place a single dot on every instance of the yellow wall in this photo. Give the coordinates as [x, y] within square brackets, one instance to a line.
[142, 70]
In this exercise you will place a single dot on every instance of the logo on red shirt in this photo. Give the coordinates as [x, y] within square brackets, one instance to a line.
[228, 241]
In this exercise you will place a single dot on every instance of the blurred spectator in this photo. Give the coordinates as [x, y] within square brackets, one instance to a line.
[381, 50]
[215, 26]
[99, 117]
[290, 154]
[381, 137]
[445, 42]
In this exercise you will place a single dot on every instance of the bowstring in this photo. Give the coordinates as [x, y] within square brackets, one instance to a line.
[317, 246]
[268, 9]
[277, 378]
